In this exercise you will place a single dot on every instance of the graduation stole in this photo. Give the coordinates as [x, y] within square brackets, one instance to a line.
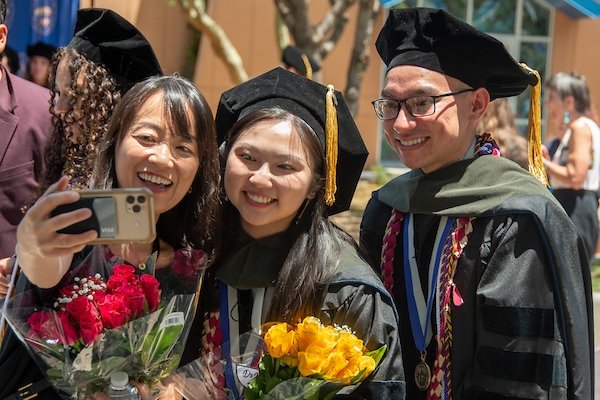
[438, 382]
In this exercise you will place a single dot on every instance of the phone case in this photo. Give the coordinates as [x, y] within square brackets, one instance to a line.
[118, 215]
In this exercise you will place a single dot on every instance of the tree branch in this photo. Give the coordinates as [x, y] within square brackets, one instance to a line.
[196, 15]
[360, 58]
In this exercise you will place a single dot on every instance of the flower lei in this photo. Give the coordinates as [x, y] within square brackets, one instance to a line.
[441, 382]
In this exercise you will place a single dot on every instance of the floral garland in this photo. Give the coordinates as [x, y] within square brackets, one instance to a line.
[212, 339]
[441, 382]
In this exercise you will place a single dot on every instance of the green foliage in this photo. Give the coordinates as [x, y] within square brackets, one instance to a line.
[272, 372]
[596, 276]
[381, 175]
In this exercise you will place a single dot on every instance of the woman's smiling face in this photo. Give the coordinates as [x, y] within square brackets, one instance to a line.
[153, 156]
[268, 175]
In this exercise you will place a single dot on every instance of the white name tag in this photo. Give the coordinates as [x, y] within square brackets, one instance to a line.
[245, 374]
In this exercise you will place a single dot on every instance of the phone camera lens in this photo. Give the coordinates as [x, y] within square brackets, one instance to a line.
[136, 208]
[130, 199]
[141, 199]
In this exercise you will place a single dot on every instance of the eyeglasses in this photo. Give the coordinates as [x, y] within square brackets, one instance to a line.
[417, 106]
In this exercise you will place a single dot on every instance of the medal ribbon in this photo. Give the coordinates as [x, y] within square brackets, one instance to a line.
[420, 312]
[230, 382]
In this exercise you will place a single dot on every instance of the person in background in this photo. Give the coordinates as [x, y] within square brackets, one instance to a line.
[38, 65]
[282, 258]
[499, 121]
[10, 59]
[297, 61]
[26, 127]
[574, 169]
[161, 137]
[486, 269]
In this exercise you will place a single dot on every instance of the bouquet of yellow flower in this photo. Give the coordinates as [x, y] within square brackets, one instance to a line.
[310, 361]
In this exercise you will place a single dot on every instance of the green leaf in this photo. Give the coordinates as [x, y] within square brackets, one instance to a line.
[377, 355]
[271, 383]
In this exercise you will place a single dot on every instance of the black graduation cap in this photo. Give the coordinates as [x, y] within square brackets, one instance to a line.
[436, 40]
[106, 38]
[41, 49]
[309, 101]
[294, 57]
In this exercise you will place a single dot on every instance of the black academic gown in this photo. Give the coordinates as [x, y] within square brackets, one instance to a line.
[355, 297]
[525, 330]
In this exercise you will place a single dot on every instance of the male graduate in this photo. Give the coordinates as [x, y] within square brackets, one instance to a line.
[486, 269]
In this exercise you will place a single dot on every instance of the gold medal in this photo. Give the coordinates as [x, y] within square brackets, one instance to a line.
[422, 374]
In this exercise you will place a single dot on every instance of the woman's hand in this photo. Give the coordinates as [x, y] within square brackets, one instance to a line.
[37, 233]
[43, 253]
[6, 269]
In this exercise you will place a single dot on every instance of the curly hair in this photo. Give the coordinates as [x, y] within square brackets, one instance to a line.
[93, 95]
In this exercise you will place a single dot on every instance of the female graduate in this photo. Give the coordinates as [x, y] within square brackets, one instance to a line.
[282, 258]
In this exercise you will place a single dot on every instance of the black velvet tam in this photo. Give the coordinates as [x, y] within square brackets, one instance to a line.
[436, 40]
[292, 56]
[41, 49]
[106, 38]
[305, 99]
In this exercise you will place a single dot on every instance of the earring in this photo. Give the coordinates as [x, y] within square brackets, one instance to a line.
[566, 118]
[190, 190]
[299, 217]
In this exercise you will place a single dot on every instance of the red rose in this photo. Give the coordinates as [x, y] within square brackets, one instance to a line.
[113, 309]
[87, 317]
[69, 334]
[42, 324]
[150, 285]
[187, 263]
[55, 325]
[134, 299]
[122, 275]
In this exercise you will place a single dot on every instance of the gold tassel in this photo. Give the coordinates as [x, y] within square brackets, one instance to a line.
[306, 62]
[534, 130]
[331, 145]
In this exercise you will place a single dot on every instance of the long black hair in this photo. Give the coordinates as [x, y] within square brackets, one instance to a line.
[193, 221]
[317, 243]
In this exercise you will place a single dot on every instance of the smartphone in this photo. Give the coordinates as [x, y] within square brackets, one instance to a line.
[118, 215]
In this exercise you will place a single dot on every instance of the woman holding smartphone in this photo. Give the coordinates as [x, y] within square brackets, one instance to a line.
[282, 258]
[105, 58]
[161, 137]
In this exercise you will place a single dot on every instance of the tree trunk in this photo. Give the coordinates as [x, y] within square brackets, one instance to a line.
[195, 11]
[359, 61]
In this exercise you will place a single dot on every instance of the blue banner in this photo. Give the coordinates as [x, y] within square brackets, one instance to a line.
[49, 21]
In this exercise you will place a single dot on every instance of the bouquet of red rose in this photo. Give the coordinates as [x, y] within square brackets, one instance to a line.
[95, 326]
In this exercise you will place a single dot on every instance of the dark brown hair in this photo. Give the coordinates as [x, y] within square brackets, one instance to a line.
[193, 221]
